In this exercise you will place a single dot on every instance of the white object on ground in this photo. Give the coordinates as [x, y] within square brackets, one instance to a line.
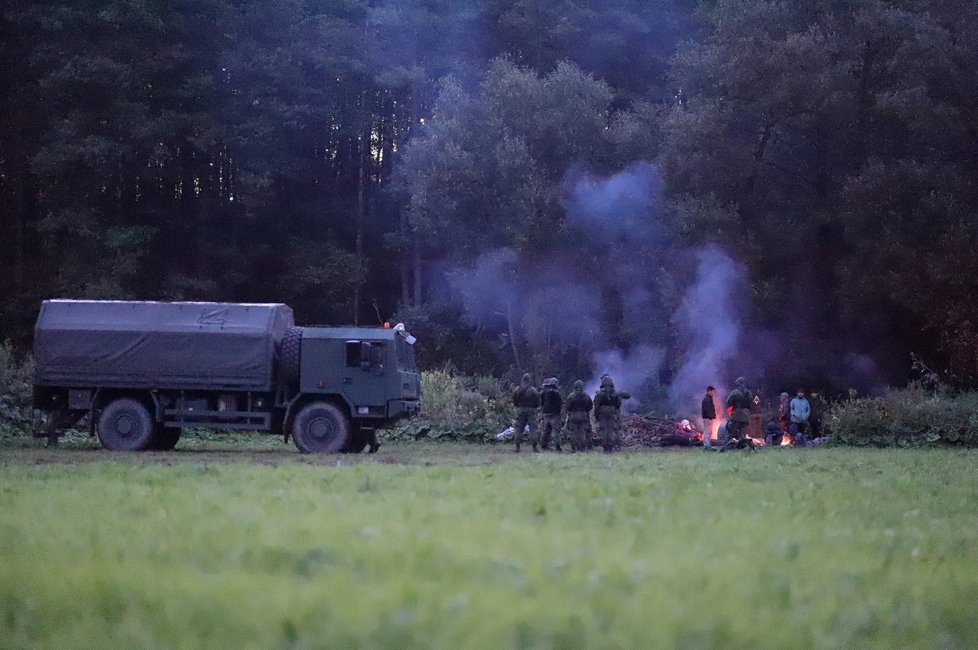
[508, 433]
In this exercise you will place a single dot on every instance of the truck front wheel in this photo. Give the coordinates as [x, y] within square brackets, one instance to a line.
[320, 428]
[125, 425]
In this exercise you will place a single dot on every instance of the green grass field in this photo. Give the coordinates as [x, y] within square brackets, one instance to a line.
[440, 545]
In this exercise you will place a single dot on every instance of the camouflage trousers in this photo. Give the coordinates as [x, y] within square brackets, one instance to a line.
[525, 417]
[736, 429]
[736, 436]
[609, 426]
[551, 428]
[579, 430]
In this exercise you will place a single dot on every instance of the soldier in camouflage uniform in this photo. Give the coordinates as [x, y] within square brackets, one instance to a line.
[579, 417]
[740, 399]
[526, 399]
[551, 404]
[607, 408]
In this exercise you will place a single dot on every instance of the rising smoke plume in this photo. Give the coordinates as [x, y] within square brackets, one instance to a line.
[708, 322]
[611, 305]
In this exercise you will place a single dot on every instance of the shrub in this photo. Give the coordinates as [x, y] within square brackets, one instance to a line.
[910, 417]
[16, 384]
[458, 407]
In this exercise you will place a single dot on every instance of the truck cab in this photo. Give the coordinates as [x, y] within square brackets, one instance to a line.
[372, 370]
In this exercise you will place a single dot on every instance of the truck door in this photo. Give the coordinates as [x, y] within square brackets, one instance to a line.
[365, 374]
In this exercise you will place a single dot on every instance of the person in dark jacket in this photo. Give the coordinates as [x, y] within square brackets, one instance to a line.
[708, 411]
[551, 404]
[607, 409]
[818, 407]
[526, 399]
[739, 402]
[579, 406]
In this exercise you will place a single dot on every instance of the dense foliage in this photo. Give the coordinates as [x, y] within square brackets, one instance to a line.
[473, 409]
[346, 157]
[16, 381]
[912, 417]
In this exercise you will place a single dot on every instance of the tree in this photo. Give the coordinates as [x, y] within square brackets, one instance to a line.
[811, 119]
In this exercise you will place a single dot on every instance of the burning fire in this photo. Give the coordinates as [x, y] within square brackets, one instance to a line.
[716, 427]
[785, 440]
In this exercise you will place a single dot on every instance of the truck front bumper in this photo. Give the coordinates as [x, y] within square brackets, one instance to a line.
[401, 408]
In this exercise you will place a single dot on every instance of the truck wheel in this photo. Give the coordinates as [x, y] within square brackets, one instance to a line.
[320, 428]
[125, 425]
[291, 352]
[165, 438]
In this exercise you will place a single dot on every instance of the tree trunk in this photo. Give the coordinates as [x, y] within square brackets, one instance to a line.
[416, 258]
[405, 263]
[512, 334]
[361, 205]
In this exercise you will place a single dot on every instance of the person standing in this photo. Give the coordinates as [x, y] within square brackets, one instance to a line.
[551, 404]
[579, 406]
[818, 406]
[607, 408]
[784, 411]
[708, 411]
[801, 410]
[739, 401]
[755, 429]
[526, 399]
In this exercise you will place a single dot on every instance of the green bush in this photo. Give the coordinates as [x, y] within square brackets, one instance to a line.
[16, 382]
[910, 417]
[458, 407]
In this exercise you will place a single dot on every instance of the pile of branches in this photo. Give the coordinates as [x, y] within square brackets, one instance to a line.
[644, 430]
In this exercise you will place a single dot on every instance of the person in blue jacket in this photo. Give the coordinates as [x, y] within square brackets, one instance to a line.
[801, 410]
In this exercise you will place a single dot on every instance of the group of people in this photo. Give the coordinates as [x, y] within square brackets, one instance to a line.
[798, 418]
[574, 413]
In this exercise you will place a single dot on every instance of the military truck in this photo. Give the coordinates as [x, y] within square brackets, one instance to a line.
[143, 372]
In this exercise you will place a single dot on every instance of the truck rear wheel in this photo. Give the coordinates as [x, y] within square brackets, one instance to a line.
[320, 428]
[165, 438]
[125, 425]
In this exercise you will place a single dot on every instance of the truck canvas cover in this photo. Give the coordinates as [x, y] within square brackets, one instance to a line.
[159, 345]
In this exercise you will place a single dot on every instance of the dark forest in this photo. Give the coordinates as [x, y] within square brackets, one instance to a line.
[674, 189]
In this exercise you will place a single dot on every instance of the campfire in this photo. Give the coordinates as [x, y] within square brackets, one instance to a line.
[639, 431]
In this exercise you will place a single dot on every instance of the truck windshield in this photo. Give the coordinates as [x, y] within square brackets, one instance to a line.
[405, 356]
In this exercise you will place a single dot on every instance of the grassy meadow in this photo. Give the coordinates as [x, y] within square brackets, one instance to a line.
[248, 544]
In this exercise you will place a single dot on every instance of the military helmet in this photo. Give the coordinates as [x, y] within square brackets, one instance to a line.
[607, 382]
[578, 385]
[550, 381]
[527, 378]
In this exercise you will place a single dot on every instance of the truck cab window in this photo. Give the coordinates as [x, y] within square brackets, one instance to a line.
[354, 354]
[365, 354]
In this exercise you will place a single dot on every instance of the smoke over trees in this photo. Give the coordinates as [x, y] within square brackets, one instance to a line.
[566, 186]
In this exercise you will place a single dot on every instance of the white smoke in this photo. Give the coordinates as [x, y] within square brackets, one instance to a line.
[709, 325]
[629, 369]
